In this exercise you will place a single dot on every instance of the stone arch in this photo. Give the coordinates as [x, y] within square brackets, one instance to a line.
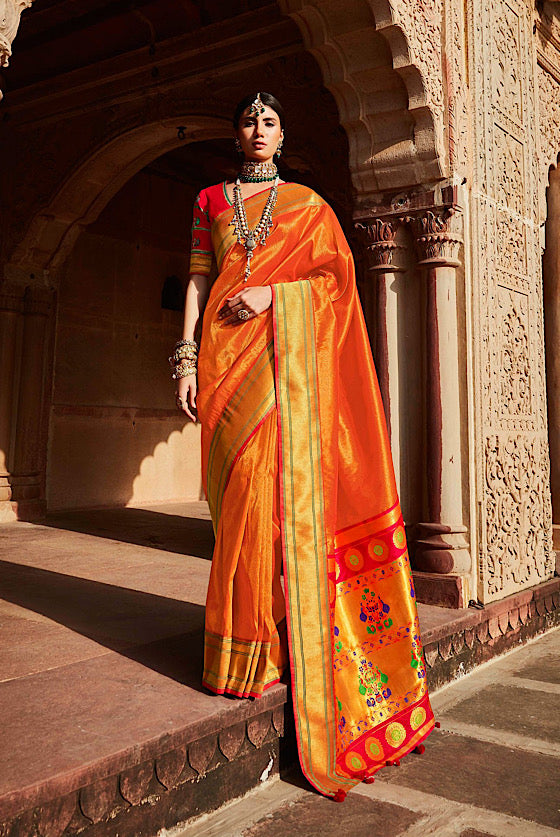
[390, 102]
[91, 185]
[389, 111]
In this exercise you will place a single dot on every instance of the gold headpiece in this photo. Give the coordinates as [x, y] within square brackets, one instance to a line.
[257, 106]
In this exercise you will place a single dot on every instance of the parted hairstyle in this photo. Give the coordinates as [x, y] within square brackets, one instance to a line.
[266, 98]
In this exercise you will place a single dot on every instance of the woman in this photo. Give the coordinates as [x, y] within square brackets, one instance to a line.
[297, 471]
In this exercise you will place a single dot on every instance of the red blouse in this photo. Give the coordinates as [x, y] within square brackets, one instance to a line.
[209, 203]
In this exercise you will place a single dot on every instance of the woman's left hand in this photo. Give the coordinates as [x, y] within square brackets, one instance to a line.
[253, 300]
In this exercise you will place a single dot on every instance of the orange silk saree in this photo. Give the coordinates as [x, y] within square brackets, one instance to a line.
[298, 473]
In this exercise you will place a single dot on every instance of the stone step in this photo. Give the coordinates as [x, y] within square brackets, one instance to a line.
[105, 727]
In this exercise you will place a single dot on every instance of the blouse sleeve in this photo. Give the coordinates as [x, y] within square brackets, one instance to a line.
[201, 245]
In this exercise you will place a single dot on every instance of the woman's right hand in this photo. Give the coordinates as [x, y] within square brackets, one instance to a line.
[186, 390]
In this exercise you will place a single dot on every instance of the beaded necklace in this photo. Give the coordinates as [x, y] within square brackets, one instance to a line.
[245, 236]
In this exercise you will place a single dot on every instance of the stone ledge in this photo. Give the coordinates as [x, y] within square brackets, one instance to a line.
[475, 636]
[160, 783]
[184, 773]
[444, 590]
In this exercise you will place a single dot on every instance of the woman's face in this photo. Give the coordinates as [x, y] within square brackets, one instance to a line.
[259, 135]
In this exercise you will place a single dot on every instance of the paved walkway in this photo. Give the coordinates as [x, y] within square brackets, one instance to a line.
[492, 769]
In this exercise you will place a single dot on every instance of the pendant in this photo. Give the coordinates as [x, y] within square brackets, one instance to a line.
[248, 266]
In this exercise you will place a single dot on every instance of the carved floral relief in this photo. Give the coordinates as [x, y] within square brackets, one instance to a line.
[514, 360]
[515, 544]
[517, 501]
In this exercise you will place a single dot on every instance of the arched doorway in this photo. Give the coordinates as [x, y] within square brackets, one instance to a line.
[379, 134]
[116, 438]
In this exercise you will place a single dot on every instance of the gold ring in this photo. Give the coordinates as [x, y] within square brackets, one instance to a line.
[179, 401]
[243, 314]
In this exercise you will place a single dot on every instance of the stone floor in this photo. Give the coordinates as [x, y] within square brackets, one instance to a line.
[101, 618]
[492, 769]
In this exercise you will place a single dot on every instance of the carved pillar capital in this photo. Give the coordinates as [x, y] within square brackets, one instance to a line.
[380, 235]
[438, 236]
[10, 13]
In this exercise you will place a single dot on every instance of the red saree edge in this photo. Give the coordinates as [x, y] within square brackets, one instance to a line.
[401, 754]
[228, 691]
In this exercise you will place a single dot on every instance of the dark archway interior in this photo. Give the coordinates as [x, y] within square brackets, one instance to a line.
[116, 438]
[84, 33]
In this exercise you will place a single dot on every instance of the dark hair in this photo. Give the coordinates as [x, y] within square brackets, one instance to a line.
[266, 98]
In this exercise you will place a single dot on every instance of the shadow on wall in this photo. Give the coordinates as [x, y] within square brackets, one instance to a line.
[116, 437]
[117, 457]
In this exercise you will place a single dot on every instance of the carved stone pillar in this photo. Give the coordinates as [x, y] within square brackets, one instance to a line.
[382, 247]
[28, 467]
[11, 323]
[26, 332]
[440, 543]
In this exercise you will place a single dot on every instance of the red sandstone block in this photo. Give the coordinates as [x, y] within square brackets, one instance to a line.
[431, 654]
[503, 622]
[170, 765]
[458, 642]
[278, 719]
[201, 753]
[482, 632]
[98, 800]
[53, 817]
[135, 781]
[257, 729]
[514, 618]
[231, 739]
[445, 648]
[470, 636]
[494, 627]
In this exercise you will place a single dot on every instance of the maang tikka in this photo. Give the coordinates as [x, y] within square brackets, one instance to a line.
[257, 106]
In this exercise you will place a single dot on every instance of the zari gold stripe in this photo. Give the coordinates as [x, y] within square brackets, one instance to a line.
[303, 534]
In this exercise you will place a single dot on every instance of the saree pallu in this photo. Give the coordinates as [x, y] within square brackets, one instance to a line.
[298, 471]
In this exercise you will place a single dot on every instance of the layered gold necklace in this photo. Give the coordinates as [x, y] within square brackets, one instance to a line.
[258, 235]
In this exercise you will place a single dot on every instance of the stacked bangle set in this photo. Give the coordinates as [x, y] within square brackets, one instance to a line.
[184, 359]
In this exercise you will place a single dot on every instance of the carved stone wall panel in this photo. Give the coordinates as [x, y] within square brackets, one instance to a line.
[517, 510]
[506, 63]
[514, 391]
[457, 87]
[511, 439]
[511, 245]
[549, 130]
[510, 183]
[422, 23]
